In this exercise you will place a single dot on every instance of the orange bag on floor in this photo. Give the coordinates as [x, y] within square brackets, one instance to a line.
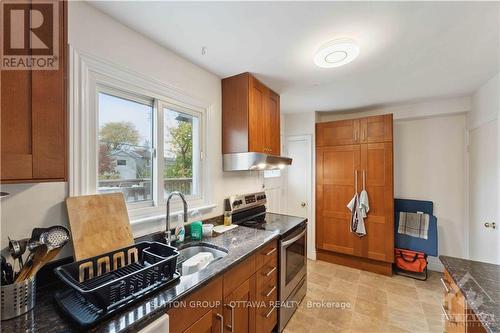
[410, 260]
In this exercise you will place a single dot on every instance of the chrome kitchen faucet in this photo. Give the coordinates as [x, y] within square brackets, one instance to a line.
[168, 233]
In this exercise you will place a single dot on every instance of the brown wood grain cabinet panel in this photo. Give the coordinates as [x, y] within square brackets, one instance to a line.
[33, 122]
[377, 167]
[258, 118]
[274, 127]
[250, 116]
[335, 133]
[235, 104]
[236, 276]
[376, 129]
[347, 150]
[183, 317]
[238, 314]
[336, 177]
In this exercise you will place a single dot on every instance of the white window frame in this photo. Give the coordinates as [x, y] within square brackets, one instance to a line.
[90, 75]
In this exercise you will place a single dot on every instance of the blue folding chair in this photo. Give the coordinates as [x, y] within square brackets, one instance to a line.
[428, 246]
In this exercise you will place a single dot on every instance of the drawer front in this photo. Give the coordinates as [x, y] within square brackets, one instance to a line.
[239, 274]
[266, 319]
[267, 283]
[268, 253]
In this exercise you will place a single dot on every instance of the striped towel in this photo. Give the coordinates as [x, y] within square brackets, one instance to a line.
[413, 224]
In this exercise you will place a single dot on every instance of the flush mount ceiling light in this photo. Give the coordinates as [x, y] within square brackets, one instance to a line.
[337, 52]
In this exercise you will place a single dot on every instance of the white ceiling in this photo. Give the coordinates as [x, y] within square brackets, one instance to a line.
[409, 51]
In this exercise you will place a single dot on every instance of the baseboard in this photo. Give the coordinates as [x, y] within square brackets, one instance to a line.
[434, 264]
[312, 255]
[379, 267]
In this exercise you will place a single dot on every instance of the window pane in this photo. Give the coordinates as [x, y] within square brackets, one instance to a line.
[181, 153]
[125, 142]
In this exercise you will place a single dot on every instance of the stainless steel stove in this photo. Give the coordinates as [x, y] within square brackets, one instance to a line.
[249, 210]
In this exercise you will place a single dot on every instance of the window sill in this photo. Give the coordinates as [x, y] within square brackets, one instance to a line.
[156, 216]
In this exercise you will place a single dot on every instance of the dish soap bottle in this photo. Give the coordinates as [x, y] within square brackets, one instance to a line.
[196, 227]
[180, 231]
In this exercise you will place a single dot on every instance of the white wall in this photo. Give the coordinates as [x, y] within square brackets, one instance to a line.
[93, 32]
[482, 123]
[429, 162]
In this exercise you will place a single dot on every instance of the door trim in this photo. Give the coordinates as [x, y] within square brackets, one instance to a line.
[311, 225]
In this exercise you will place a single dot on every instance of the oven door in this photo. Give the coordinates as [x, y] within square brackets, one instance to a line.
[293, 262]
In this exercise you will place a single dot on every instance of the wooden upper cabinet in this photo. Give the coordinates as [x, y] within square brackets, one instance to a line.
[344, 132]
[376, 129]
[33, 122]
[250, 116]
[258, 118]
[347, 132]
[274, 127]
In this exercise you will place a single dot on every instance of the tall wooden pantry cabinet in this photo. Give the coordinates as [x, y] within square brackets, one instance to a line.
[349, 153]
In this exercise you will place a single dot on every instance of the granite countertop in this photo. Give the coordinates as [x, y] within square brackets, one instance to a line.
[46, 316]
[480, 284]
[282, 223]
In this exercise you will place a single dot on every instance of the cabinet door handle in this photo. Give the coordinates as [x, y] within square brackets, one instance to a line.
[355, 181]
[270, 272]
[356, 135]
[271, 252]
[446, 315]
[445, 285]
[271, 291]
[363, 135]
[269, 313]
[221, 318]
[231, 327]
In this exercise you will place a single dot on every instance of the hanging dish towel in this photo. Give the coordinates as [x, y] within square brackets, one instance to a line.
[364, 204]
[357, 222]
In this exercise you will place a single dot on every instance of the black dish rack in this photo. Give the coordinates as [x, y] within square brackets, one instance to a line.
[116, 278]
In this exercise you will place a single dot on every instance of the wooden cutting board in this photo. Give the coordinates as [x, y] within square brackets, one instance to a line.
[99, 224]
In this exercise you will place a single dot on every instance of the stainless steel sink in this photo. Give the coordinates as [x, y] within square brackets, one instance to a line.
[189, 250]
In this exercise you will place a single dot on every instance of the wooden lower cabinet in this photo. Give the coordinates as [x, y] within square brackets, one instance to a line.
[242, 300]
[459, 318]
[211, 322]
[238, 314]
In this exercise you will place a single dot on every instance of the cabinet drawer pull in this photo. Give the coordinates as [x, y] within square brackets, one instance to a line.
[271, 252]
[221, 318]
[271, 291]
[270, 272]
[446, 315]
[269, 313]
[445, 285]
[231, 327]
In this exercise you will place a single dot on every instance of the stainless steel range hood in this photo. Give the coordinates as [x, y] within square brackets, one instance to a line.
[254, 161]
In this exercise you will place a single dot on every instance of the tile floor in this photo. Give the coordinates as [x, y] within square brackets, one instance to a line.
[367, 302]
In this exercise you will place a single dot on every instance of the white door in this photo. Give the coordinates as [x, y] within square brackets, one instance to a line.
[299, 184]
[273, 185]
[483, 238]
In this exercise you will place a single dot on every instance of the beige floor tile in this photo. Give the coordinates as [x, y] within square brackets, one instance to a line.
[350, 276]
[374, 310]
[372, 293]
[404, 303]
[374, 303]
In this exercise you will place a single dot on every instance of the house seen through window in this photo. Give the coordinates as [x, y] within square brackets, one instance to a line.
[127, 140]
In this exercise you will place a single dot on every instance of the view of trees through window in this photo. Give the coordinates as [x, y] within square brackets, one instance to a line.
[126, 143]
[178, 151]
